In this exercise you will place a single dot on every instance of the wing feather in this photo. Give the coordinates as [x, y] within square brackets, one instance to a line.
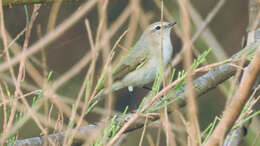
[137, 56]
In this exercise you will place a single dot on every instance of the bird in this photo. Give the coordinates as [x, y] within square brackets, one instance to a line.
[142, 62]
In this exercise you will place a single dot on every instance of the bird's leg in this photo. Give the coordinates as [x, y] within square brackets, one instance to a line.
[148, 88]
[133, 98]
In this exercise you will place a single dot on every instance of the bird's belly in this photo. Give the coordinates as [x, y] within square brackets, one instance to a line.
[149, 75]
[143, 75]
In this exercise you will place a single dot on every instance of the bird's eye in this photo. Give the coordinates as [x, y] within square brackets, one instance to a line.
[158, 27]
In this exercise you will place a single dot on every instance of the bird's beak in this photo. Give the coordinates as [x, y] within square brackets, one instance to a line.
[172, 23]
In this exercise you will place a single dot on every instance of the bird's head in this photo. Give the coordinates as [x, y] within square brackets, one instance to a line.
[155, 30]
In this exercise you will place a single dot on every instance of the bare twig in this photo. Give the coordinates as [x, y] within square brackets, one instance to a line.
[208, 19]
[106, 37]
[236, 106]
[24, 2]
[4, 39]
[51, 36]
[202, 85]
[53, 15]
[142, 136]
[235, 135]
[155, 98]
[194, 131]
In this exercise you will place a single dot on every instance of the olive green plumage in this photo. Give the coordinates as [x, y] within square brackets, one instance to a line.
[142, 62]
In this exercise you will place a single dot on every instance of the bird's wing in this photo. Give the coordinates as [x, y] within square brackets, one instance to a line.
[136, 57]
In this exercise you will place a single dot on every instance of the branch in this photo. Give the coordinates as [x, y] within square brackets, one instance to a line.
[53, 35]
[56, 138]
[235, 137]
[249, 77]
[236, 106]
[239, 131]
[201, 86]
[24, 2]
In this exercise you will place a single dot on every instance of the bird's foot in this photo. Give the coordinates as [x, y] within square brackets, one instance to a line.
[148, 88]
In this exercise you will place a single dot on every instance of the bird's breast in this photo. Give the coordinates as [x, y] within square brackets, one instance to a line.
[167, 51]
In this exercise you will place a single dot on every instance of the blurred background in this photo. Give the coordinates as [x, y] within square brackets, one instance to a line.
[228, 28]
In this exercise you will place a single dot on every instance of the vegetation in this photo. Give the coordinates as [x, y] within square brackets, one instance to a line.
[47, 97]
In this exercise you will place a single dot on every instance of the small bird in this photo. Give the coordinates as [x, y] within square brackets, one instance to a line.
[142, 62]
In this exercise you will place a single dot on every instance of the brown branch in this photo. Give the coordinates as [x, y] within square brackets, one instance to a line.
[235, 137]
[231, 114]
[24, 2]
[56, 138]
[204, 25]
[53, 35]
[201, 86]
[250, 74]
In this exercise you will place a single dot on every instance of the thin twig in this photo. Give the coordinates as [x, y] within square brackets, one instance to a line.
[51, 36]
[142, 136]
[138, 113]
[106, 37]
[206, 22]
[236, 106]
[194, 132]
[203, 84]
[4, 39]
